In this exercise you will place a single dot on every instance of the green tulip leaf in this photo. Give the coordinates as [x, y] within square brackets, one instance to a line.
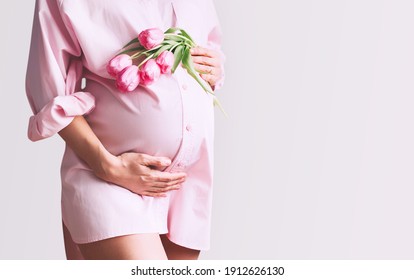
[173, 37]
[169, 42]
[137, 49]
[164, 48]
[217, 103]
[185, 34]
[178, 55]
[171, 30]
[135, 40]
[189, 66]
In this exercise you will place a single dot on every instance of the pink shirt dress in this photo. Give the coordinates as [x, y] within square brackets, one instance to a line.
[174, 117]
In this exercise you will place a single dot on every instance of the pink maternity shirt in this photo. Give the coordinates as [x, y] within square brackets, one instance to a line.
[174, 117]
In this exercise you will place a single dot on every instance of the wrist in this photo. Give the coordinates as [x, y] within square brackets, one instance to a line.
[104, 163]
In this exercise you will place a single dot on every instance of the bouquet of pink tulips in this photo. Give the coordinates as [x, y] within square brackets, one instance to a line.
[159, 53]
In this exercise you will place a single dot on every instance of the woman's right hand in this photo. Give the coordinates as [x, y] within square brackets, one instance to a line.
[138, 173]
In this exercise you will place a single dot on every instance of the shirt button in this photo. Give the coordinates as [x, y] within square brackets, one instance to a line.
[184, 87]
[188, 127]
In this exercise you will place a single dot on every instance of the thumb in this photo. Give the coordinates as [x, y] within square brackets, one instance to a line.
[155, 161]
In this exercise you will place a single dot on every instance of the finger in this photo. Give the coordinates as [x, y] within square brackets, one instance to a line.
[164, 190]
[205, 60]
[210, 70]
[164, 185]
[203, 69]
[160, 176]
[202, 51]
[154, 194]
[148, 160]
[211, 79]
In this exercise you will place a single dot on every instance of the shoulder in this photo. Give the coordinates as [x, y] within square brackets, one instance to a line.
[66, 5]
[198, 17]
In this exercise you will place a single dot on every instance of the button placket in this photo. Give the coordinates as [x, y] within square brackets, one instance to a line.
[186, 145]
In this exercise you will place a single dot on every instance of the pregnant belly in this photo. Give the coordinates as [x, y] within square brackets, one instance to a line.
[148, 120]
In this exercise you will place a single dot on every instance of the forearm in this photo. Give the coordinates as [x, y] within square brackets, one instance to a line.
[79, 136]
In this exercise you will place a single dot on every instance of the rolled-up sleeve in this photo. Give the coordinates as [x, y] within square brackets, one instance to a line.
[54, 72]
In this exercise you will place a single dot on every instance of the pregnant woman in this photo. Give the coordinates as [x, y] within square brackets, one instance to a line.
[137, 170]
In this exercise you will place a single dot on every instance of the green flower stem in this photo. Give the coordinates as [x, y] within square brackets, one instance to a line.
[184, 44]
[145, 60]
[192, 44]
[147, 52]
[174, 46]
[153, 49]
[131, 50]
[136, 55]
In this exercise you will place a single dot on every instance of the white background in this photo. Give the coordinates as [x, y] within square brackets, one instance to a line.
[315, 161]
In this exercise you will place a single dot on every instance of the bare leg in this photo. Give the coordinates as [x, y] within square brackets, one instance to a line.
[177, 252]
[143, 246]
[71, 248]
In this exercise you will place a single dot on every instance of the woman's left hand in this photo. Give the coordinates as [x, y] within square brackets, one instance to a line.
[208, 63]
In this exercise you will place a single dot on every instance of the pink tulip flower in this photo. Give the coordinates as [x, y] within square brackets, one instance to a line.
[149, 72]
[118, 63]
[165, 60]
[151, 38]
[128, 79]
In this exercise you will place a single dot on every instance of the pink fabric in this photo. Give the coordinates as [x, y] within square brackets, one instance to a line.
[172, 117]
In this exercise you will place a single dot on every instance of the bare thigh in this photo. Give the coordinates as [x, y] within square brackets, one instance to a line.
[71, 248]
[143, 246]
[177, 252]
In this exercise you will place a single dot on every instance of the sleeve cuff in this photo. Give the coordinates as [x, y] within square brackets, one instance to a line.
[59, 113]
